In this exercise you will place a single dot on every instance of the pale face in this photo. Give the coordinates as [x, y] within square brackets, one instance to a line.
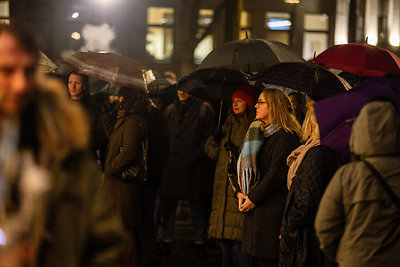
[183, 96]
[262, 110]
[238, 106]
[17, 71]
[76, 86]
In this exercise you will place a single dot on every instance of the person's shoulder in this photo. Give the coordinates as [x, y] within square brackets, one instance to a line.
[283, 134]
[137, 119]
[169, 109]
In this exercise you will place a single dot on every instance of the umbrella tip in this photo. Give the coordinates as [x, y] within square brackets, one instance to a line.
[247, 34]
[315, 53]
[366, 40]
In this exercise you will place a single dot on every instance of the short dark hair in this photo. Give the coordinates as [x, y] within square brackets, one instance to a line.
[23, 34]
[85, 79]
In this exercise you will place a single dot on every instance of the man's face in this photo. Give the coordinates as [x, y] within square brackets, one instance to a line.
[17, 71]
[76, 86]
[183, 96]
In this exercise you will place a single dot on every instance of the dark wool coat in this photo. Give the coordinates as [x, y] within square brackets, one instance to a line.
[182, 178]
[124, 150]
[226, 221]
[262, 224]
[299, 245]
[98, 140]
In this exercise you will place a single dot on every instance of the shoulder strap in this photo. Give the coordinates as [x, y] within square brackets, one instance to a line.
[383, 183]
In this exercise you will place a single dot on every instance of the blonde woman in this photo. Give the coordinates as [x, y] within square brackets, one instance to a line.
[311, 167]
[268, 142]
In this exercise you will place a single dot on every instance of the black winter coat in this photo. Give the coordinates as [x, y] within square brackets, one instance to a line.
[299, 245]
[262, 224]
[188, 128]
[98, 140]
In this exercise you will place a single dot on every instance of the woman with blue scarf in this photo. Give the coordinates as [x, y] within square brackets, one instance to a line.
[262, 172]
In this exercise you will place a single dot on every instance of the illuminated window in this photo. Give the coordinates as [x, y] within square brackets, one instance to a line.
[160, 33]
[205, 46]
[278, 25]
[4, 11]
[315, 38]
[245, 24]
[205, 17]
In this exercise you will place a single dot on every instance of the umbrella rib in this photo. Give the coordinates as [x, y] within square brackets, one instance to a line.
[102, 73]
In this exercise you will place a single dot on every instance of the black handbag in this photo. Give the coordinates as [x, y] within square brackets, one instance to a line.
[137, 174]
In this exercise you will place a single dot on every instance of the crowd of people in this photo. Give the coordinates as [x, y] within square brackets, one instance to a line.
[279, 197]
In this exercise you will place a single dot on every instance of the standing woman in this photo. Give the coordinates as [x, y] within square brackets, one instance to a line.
[267, 144]
[311, 167]
[226, 221]
[125, 138]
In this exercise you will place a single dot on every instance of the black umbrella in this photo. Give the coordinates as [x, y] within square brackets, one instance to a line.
[213, 84]
[305, 77]
[250, 55]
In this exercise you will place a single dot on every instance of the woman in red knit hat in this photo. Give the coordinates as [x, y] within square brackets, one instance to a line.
[226, 221]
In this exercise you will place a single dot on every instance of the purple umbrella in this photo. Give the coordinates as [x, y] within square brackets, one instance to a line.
[336, 115]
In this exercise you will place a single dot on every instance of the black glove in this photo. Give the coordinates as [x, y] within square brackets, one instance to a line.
[233, 157]
[217, 136]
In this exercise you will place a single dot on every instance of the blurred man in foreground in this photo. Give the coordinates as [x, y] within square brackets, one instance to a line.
[52, 212]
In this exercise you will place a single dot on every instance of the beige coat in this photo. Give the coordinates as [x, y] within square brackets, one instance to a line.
[226, 221]
[357, 223]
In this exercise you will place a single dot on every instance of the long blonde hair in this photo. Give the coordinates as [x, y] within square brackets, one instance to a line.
[281, 110]
[310, 125]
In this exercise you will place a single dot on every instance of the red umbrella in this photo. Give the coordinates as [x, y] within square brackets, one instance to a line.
[112, 68]
[360, 59]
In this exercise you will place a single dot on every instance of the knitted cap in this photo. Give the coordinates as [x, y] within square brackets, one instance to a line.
[245, 93]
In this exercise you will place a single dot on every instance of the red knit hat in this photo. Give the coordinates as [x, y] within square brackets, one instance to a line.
[245, 93]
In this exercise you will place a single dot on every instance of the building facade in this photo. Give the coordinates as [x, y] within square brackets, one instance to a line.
[151, 31]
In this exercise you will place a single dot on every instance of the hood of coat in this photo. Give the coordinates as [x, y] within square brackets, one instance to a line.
[376, 131]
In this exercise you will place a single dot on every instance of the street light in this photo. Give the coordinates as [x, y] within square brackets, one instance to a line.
[76, 35]
[75, 15]
[104, 2]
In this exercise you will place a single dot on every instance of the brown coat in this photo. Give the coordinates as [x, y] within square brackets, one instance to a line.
[74, 225]
[226, 221]
[124, 149]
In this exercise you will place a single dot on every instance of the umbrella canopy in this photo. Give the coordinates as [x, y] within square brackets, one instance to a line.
[361, 59]
[250, 55]
[212, 83]
[45, 64]
[305, 77]
[336, 115]
[112, 68]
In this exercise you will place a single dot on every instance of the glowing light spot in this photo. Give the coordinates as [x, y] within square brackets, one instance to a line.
[3, 239]
[76, 35]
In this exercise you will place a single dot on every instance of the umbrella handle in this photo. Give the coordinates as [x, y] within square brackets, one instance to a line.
[221, 102]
